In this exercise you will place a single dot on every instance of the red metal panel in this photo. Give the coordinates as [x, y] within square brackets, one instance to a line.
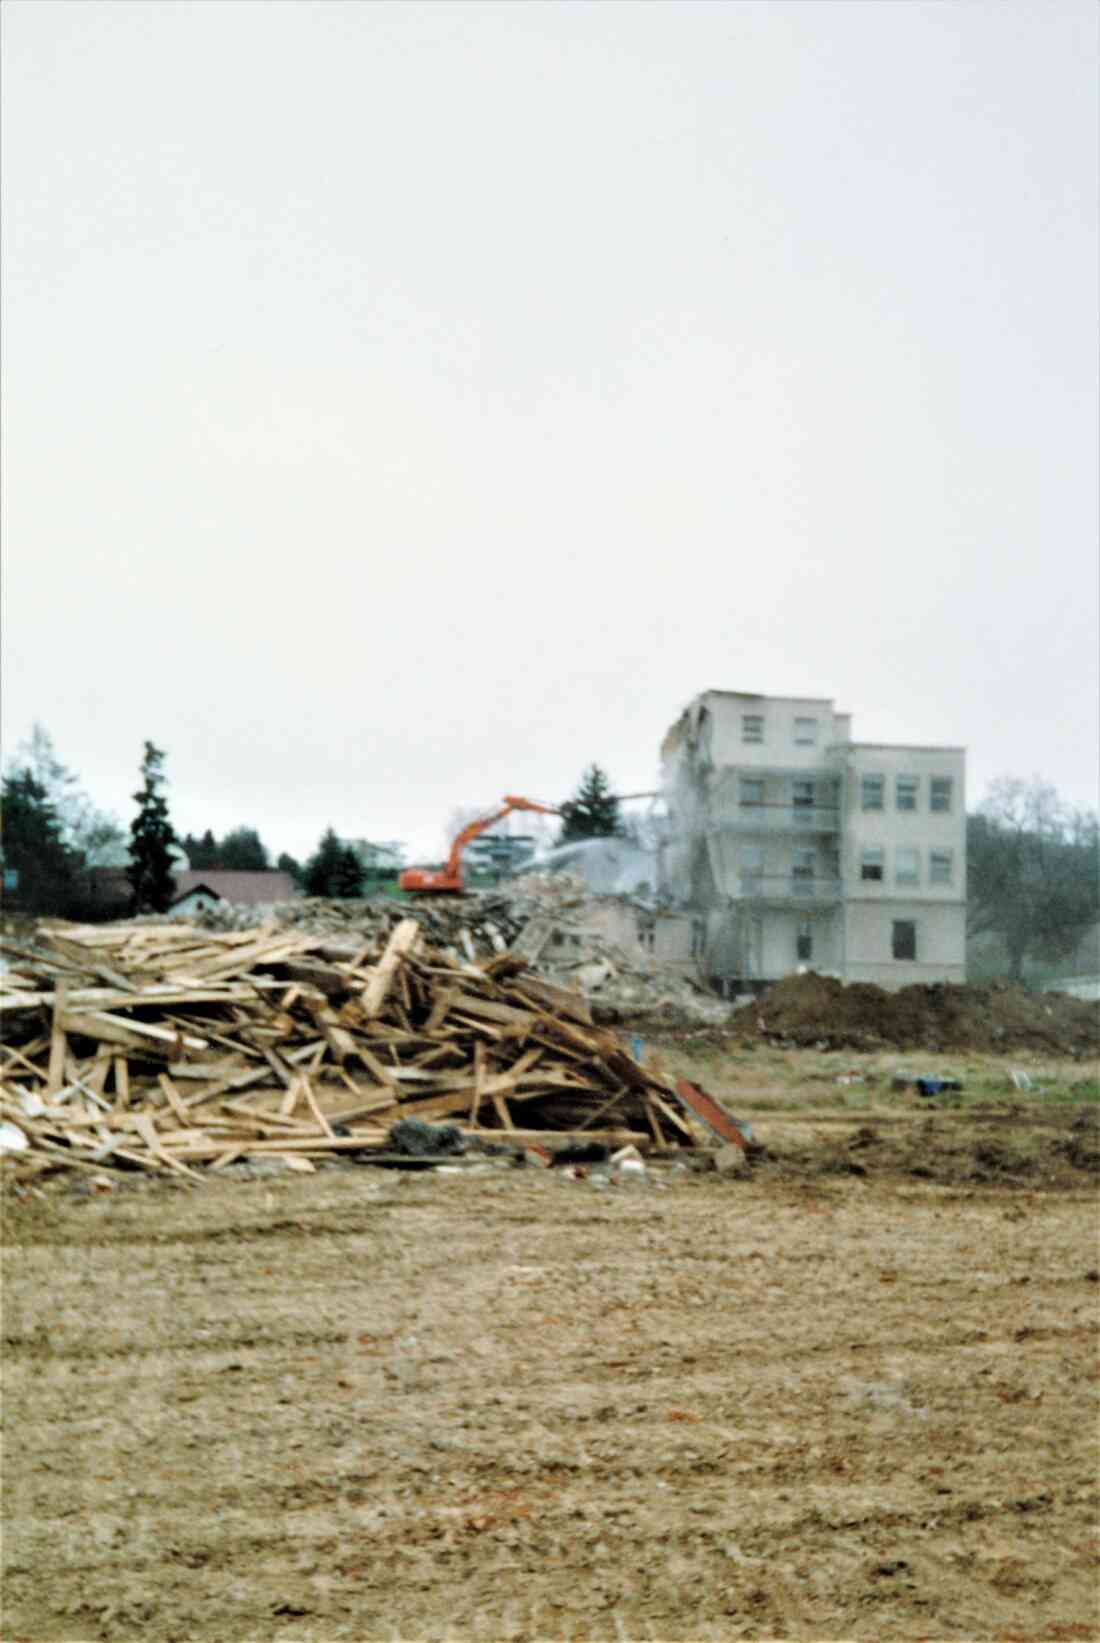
[704, 1106]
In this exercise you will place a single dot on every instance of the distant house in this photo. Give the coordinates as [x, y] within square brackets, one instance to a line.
[379, 859]
[197, 889]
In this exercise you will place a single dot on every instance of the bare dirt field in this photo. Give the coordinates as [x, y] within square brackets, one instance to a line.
[853, 1395]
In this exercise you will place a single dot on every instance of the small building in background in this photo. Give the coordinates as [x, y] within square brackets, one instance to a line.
[200, 889]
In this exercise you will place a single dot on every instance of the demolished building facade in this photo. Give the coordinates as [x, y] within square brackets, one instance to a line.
[794, 847]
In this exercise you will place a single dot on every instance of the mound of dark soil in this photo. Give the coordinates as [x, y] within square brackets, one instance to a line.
[817, 1010]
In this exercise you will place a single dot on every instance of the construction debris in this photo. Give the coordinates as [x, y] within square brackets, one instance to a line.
[551, 920]
[168, 1048]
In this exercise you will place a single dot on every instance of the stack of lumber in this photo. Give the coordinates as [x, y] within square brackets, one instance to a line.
[173, 1048]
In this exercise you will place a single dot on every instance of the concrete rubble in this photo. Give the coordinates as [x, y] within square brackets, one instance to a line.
[549, 919]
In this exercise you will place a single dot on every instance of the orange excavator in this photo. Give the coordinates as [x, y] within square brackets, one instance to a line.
[449, 878]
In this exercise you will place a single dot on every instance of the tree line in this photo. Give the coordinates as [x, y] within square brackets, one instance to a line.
[53, 839]
[1033, 861]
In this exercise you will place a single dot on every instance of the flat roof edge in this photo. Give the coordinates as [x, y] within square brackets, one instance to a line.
[894, 747]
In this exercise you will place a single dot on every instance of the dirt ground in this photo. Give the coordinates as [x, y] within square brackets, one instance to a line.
[853, 1395]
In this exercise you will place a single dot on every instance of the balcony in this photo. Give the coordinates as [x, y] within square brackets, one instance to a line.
[789, 888]
[749, 817]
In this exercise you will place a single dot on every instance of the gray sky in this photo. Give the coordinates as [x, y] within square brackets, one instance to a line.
[406, 404]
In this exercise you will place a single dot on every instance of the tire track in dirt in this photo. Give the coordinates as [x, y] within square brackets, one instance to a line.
[520, 1417]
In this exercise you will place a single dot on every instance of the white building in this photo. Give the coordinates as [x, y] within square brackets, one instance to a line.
[795, 846]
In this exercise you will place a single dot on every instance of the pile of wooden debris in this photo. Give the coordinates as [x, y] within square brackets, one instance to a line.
[167, 1047]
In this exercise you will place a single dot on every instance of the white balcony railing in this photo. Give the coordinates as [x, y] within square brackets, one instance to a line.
[788, 887]
[782, 818]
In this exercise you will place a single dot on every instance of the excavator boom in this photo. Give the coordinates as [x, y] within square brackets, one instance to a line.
[448, 880]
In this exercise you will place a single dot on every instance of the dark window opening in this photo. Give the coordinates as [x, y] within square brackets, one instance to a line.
[905, 938]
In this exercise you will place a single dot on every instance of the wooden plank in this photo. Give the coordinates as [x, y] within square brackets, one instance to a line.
[311, 1103]
[501, 1107]
[377, 1069]
[58, 1044]
[553, 1000]
[173, 1097]
[227, 1157]
[443, 1001]
[669, 1112]
[122, 1081]
[97, 1082]
[564, 1138]
[108, 1028]
[605, 1106]
[145, 1127]
[479, 1081]
[403, 941]
[487, 1009]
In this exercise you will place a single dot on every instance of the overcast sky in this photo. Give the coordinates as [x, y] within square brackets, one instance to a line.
[407, 404]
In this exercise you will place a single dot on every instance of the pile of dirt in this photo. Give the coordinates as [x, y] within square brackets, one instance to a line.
[817, 1010]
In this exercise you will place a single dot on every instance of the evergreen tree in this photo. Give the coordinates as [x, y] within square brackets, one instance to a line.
[151, 840]
[242, 851]
[201, 853]
[49, 881]
[593, 813]
[92, 834]
[287, 864]
[349, 875]
[321, 868]
[333, 870]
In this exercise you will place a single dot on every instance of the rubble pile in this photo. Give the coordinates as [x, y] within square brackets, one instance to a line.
[547, 918]
[167, 1047]
[819, 1010]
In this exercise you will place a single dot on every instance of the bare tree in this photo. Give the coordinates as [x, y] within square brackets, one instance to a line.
[1033, 870]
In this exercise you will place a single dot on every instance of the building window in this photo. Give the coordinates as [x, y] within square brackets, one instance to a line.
[752, 790]
[874, 792]
[804, 940]
[907, 867]
[939, 795]
[752, 727]
[871, 866]
[802, 873]
[803, 795]
[941, 867]
[805, 732]
[905, 938]
[907, 793]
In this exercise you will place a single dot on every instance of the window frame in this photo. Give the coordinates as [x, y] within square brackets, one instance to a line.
[752, 728]
[896, 940]
[907, 809]
[872, 878]
[946, 783]
[801, 740]
[804, 940]
[911, 854]
[941, 877]
[867, 778]
[755, 782]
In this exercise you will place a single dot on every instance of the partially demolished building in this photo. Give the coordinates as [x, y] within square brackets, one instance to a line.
[794, 847]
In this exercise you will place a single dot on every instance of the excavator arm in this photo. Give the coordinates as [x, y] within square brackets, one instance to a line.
[449, 879]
